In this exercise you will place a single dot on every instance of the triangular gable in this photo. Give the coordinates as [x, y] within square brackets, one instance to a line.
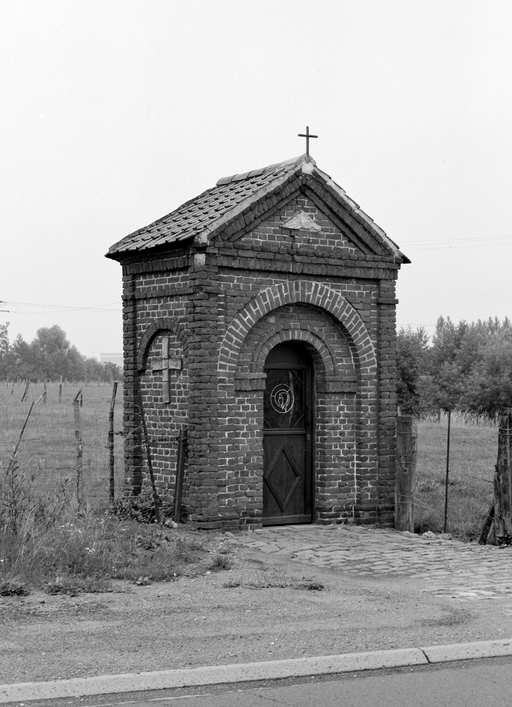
[299, 222]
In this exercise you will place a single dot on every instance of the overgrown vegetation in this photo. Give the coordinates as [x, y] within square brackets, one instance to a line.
[85, 552]
[49, 543]
[142, 507]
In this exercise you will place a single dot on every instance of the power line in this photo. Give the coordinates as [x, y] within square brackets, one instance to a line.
[63, 307]
[446, 243]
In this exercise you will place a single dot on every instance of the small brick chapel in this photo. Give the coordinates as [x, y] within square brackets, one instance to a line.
[260, 318]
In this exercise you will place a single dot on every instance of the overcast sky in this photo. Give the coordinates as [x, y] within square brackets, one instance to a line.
[114, 112]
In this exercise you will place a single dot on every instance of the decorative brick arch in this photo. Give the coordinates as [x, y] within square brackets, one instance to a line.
[163, 324]
[297, 291]
[280, 336]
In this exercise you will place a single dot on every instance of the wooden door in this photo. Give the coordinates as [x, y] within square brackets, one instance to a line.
[287, 436]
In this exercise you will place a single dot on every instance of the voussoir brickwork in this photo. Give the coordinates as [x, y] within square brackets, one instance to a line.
[298, 291]
[273, 258]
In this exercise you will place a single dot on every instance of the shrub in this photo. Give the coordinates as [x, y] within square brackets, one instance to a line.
[220, 561]
[142, 507]
[13, 588]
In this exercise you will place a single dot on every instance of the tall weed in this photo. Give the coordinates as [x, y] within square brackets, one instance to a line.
[55, 545]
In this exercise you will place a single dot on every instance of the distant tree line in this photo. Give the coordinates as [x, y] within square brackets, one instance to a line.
[466, 367]
[50, 357]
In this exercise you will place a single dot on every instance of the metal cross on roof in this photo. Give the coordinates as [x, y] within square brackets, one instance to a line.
[307, 136]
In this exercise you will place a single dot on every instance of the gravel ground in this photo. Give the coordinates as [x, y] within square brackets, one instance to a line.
[267, 607]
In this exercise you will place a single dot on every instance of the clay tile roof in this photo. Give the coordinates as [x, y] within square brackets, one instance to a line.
[202, 213]
[200, 217]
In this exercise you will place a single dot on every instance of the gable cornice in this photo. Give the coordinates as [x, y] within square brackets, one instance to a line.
[344, 212]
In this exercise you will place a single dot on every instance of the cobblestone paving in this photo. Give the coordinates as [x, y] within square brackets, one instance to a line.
[445, 567]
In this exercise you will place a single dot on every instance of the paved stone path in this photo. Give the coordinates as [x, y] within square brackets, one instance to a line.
[445, 567]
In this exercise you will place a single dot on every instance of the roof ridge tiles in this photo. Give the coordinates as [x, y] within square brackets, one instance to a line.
[276, 167]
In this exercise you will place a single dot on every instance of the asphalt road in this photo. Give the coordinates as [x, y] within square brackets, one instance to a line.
[468, 686]
[465, 684]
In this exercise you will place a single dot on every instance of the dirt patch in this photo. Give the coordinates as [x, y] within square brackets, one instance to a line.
[264, 608]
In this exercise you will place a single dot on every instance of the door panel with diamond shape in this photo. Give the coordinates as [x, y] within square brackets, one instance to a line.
[287, 487]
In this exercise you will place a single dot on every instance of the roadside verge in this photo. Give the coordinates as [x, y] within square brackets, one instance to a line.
[248, 672]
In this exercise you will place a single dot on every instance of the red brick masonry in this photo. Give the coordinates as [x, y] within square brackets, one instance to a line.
[275, 255]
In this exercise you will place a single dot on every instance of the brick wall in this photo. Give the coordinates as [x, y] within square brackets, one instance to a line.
[223, 307]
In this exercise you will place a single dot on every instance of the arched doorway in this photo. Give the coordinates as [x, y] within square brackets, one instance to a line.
[288, 436]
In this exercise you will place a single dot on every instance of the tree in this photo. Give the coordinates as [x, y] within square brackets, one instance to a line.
[75, 365]
[453, 355]
[471, 366]
[51, 350]
[112, 372]
[4, 351]
[50, 357]
[488, 390]
[411, 361]
[24, 359]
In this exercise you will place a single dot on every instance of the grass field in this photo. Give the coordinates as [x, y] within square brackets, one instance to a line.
[47, 452]
[473, 453]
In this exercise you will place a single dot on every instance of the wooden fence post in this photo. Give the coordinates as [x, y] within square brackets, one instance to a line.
[79, 449]
[25, 392]
[503, 481]
[180, 472]
[156, 499]
[406, 451]
[111, 442]
[447, 474]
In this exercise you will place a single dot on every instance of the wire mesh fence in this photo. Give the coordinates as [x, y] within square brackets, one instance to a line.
[48, 451]
[470, 486]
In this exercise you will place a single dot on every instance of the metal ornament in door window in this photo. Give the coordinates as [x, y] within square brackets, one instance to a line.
[282, 398]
